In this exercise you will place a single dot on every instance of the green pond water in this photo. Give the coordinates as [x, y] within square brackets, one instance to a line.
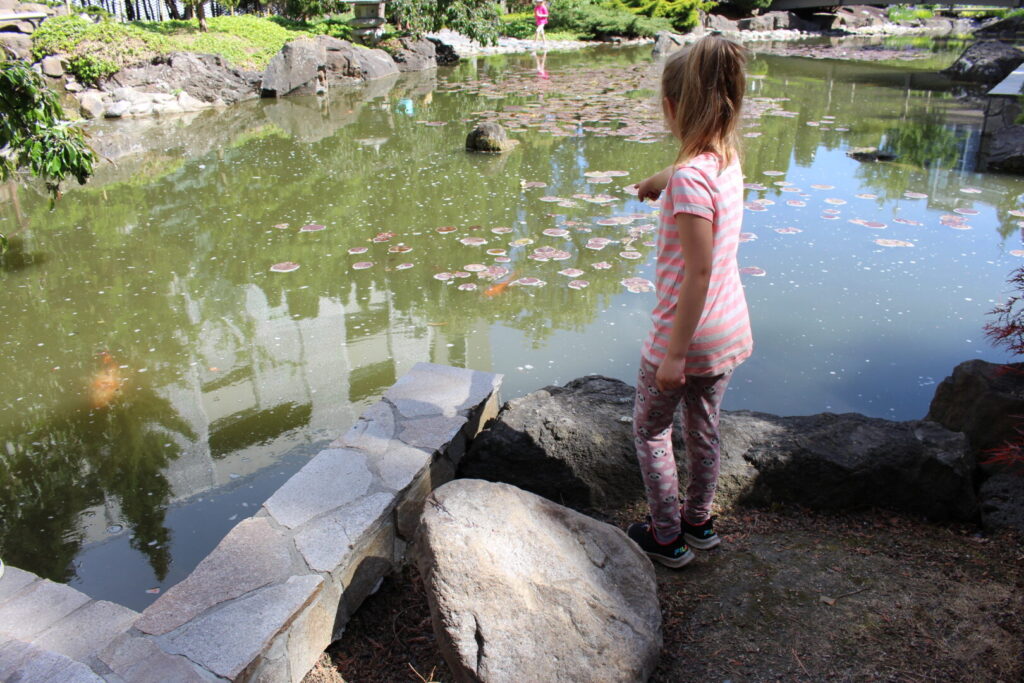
[160, 381]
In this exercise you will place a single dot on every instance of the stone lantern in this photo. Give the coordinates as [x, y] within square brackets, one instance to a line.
[368, 20]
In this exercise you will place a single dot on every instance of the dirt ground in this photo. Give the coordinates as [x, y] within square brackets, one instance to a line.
[790, 595]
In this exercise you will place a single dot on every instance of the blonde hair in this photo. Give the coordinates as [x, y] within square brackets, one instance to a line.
[706, 83]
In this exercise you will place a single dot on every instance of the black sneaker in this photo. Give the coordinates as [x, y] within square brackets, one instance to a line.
[702, 537]
[674, 554]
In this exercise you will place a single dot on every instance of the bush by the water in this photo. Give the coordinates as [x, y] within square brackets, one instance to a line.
[96, 51]
[595, 21]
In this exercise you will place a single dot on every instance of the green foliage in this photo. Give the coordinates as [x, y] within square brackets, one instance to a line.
[34, 134]
[748, 6]
[336, 26]
[307, 9]
[95, 51]
[477, 19]
[898, 13]
[683, 14]
[518, 25]
[594, 21]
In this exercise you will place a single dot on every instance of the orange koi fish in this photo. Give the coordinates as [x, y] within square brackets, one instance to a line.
[106, 383]
[499, 287]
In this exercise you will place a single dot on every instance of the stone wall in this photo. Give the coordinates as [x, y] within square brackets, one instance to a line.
[281, 585]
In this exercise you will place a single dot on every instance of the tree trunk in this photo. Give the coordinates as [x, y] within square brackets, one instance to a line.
[201, 13]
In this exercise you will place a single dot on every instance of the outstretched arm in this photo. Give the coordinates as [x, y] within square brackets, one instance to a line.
[697, 241]
[650, 188]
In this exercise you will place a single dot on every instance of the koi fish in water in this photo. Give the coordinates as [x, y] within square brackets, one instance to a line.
[499, 287]
[106, 383]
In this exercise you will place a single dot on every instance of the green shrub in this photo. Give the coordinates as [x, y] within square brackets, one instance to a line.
[596, 22]
[898, 13]
[518, 25]
[748, 6]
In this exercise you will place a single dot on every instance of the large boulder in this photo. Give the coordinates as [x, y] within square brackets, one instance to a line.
[296, 69]
[413, 54]
[206, 77]
[666, 42]
[716, 22]
[986, 61]
[346, 62]
[573, 444]
[16, 45]
[777, 21]
[489, 137]
[523, 589]
[1008, 27]
[444, 53]
[853, 17]
[985, 401]
[1005, 151]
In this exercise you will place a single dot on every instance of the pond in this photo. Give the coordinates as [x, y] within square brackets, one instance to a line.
[162, 378]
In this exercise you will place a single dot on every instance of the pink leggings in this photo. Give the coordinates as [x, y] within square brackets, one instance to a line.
[653, 411]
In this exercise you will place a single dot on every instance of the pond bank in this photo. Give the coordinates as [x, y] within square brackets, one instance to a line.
[793, 593]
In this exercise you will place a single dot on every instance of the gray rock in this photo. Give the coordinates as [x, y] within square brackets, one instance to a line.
[295, 70]
[205, 77]
[335, 477]
[570, 444]
[87, 631]
[986, 61]
[444, 53]
[13, 581]
[1005, 151]
[26, 27]
[853, 17]
[716, 22]
[985, 401]
[17, 44]
[52, 67]
[92, 105]
[374, 64]
[27, 663]
[37, 608]
[1001, 499]
[666, 43]
[777, 21]
[415, 55]
[141, 109]
[227, 641]
[489, 137]
[189, 103]
[71, 85]
[982, 400]
[34, 7]
[522, 589]
[140, 660]
[1008, 27]
[118, 109]
[8, 5]
[573, 444]
[251, 556]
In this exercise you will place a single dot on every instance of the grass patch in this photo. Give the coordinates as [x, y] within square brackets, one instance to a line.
[96, 51]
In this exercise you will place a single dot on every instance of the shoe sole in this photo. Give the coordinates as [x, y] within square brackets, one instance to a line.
[670, 562]
[702, 543]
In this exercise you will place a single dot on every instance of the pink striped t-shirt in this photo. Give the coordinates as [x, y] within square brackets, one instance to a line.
[722, 339]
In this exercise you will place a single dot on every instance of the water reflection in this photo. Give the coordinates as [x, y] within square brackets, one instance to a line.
[234, 374]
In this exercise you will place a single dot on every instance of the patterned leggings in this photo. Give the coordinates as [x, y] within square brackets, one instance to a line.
[653, 411]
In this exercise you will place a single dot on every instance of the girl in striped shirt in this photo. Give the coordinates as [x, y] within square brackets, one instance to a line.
[700, 330]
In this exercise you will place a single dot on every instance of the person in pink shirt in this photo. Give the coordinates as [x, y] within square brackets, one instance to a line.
[540, 13]
[701, 329]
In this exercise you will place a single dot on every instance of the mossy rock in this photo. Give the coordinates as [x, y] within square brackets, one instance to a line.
[489, 137]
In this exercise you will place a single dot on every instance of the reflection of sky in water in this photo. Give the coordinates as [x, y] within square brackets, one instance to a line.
[237, 373]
